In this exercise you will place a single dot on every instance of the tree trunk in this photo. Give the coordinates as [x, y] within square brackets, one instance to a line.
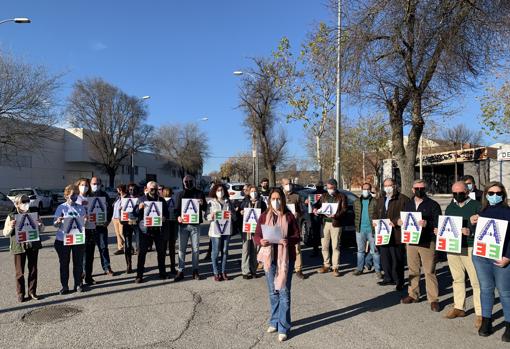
[319, 158]
[111, 174]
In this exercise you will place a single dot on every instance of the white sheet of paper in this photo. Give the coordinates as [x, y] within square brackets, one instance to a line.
[292, 208]
[472, 195]
[271, 233]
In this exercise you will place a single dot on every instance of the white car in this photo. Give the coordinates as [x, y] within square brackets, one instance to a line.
[6, 206]
[39, 199]
[235, 191]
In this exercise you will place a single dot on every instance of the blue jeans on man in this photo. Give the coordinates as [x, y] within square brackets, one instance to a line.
[102, 245]
[491, 277]
[187, 231]
[367, 259]
[279, 300]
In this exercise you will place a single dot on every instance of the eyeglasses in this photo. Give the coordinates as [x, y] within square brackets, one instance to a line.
[498, 193]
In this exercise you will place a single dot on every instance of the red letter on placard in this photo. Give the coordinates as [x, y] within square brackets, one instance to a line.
[125, 216]
[22, 236]
[407, 237]
[69, 239]
[185, 218]
[442, 244]
[379, 239]
[481, 249]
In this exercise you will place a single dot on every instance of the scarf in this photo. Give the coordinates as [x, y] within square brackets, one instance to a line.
[266, 255]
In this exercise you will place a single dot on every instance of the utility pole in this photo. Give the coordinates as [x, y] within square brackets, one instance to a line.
[338, 170]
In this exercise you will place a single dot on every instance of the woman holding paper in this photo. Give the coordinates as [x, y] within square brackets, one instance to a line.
[278, 233]
[220, 228]
[23, 251]
[493, 274]
[69, 209]
[249, 255]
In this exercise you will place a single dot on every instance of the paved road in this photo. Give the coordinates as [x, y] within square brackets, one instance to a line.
[326, 311]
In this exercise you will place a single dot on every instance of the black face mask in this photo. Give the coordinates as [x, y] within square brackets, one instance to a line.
[152, 192]
[460, 197]
[188, 184]
[420, 192]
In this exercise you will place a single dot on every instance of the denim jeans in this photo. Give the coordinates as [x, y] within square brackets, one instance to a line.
[64, 257]
[372, 258]
[102, 245]
[217, 244]
[491, 277]
[187, 231]
[279, 300]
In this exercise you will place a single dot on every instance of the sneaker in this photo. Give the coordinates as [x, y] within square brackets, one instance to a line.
[323, 270]
[357, 272]
[282, 337]
[33, 296]
[336, 273]
[63, 291]
[79, 288]
[271, 329]
[454, 313]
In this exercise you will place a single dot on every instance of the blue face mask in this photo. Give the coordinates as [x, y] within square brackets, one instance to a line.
[470, 187]
[494, 199]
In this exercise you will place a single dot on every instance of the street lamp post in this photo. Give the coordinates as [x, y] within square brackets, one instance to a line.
[132, 172]
[19, 20]
[255, 167]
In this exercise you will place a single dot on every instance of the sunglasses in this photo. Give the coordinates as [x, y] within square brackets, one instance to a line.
[498, 193]
[25, 201]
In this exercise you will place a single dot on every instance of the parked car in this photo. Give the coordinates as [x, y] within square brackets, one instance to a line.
[6, 206]
[348, 229]
[58, 196]
[40, 200]
[310, 186]
[235, 191]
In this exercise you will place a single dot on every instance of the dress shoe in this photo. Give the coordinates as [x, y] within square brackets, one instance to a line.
[336, 273]
[300, 275]
[386, 283]
[179, 277]
[357, 273]
[217, 278]
[434, 306]
[63, 291]
[485, 329]
[21, 298]
[247, 277]
[323, 270]
[110, 272]
[454, 313]
[196, 275]
[408, 300]
[118, 252]
[478, 322]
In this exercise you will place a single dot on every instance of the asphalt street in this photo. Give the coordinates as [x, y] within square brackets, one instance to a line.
[349, 311]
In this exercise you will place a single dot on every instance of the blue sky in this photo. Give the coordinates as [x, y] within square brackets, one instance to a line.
[181, 53]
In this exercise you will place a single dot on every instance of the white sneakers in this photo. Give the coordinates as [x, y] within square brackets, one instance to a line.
[282, 337]
[271, 329]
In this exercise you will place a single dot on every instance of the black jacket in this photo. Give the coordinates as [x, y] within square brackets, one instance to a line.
[193, 193]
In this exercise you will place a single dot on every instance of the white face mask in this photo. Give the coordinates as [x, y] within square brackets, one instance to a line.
[331, 191]
[253, 195]
[83, 189]
[24, 207]
[286, 187]
[94, 187]
[219, 194]
[366, 193]
[388, 190]
[275, 203]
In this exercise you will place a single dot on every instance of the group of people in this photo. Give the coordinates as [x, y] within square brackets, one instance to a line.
[282, 210]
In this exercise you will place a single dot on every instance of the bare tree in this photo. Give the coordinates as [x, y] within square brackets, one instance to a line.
[114, 122]
[261, 93]
[238, 167]
[27, 105]
[312, 94]
[495, 105]
[409, 57]
[185, 145]
[460, 136]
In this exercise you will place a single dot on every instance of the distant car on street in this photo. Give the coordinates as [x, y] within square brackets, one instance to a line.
[6, 206]
[40, 200]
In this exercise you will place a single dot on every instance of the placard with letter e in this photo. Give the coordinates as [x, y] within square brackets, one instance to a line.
[328, 209]
[97, 210]
[127, 208]
[27, 227]
[312, 200]
[153, 213]
[382, 231]
[74, 231]
[449, 234]
[489, 238]
[250, 219]
[220, 215]
[190, 211]
[411, 228]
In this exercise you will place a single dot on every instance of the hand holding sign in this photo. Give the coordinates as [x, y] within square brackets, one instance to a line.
[153, 214]
[449, 234]
[328, 209]
[489, 238]
[190, 211]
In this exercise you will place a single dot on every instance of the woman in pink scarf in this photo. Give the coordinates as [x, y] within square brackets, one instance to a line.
[278, 260]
